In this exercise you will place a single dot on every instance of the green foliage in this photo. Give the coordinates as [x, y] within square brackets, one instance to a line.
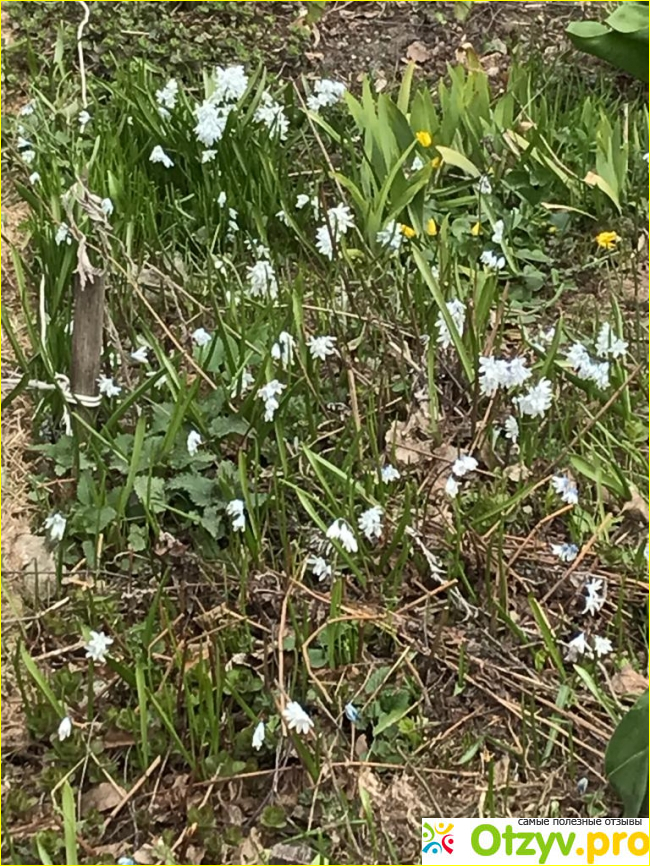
[626, 759]
[621, 40]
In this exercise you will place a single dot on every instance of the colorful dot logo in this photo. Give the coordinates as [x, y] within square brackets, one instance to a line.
[437, 839]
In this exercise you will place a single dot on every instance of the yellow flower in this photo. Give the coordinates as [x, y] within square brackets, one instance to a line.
[475, 230]
[436, 162]
[424, 138]
[607, 240]
[407, 231]
[431, 227]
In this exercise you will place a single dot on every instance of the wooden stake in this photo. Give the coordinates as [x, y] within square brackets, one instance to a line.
[87, 335]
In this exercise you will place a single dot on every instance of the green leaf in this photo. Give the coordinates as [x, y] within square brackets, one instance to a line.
[151, 492]
[199, 489]
[626, 758]
[387, 720]
[228, 426]
[453, 157]
[69, 824]
[627, 50]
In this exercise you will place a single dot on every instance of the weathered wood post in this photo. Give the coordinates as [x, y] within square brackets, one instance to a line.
[87, 334]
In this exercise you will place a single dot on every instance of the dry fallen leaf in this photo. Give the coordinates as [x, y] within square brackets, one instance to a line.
[290, 855]
[636, 506]
[627, 681]
[518, 472]
[418, 52]
[403, 446]
[103, 797]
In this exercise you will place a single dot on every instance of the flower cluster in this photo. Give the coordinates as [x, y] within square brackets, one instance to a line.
[458, 312]
[269, 394]
[325, 93]
[462, 466]
[338, 222]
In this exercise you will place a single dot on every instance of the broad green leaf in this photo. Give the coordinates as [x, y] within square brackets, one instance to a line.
[453, 157]
[150, 490]
[626, 758]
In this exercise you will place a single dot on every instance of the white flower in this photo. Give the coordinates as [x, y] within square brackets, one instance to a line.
[324, 242]
[242, 384]
[484, 186]
[84, 119]
[602, 646]
[511, 429]
[193, 442]
[108, 387]
[271, 114]
[435, 272]
[258, 736]
[97, 646]
[201, 337]
[325, 93]
[208, 156]
[262, 282]
[565, 552]
[566, 488]
[107, 206]
[65, 728]
[259, 250]
[370, 523]
[340, 531]
[340, 219]
[390, 236]
[586, 368]
[320, 567]
[222, 199]
[229, 84]
[351, 713]
[283, 349]
[321, 347]
[28, 156]
[498, 230]
[235, 510]
[516, 373]
[23, 143]
[282, 216]
[303, 200]
[463, 465]
[388, 474]
[62, 235]
[27, 109]
[34, 178]
[211, 122]
[140, 356]
[646, 156]
[159, 155]
[268, 394]
[296, 718]
[55, 524]
[608, 345]
[418, 163]
[578, 647]
[167, 95]
[492, 260]
[452, 487]
[457, 311]
[594, 600]
[492, 374]
[537, 400]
